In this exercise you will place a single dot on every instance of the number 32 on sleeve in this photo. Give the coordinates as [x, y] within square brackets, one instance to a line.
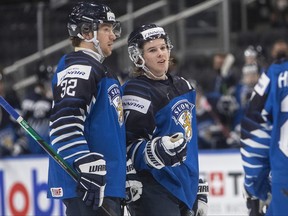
[68, 87]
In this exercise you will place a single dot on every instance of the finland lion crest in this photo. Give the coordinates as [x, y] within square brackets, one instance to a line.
[182, 114]
[116, 101]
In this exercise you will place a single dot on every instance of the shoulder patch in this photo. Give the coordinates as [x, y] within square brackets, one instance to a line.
[74, 71]
[135, 103]
[182, 115]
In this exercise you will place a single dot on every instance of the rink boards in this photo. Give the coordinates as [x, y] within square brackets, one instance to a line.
[23, 184]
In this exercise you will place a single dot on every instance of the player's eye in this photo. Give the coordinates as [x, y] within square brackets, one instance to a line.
[163, 48]
[152, 50]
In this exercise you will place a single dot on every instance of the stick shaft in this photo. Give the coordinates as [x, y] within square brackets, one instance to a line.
[37, 137]
[41, 142]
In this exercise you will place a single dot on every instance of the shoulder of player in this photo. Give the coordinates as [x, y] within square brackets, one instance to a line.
[80, 58]
[137, 87]
[84, 63]
[278, 65]
[181, 82]
[139, 83]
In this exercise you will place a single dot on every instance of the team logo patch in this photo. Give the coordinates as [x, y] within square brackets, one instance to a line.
[182, 114]
[73, 27]
[110, 16]
[56, 192]
[115, 100]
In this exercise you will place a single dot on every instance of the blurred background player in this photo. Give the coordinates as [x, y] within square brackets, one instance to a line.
[13, 141]
[211, 132]
[224, 98]
[279, 49]
[250, 76]
[36, 107]
[264, 141]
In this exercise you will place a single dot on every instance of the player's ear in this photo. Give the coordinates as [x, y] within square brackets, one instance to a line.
[86, 31]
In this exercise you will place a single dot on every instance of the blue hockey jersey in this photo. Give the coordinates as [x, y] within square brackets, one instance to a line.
[86, 116]
[264, 138]
[160, 108]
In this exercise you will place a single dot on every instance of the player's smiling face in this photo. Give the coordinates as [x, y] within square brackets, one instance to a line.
[156, 55]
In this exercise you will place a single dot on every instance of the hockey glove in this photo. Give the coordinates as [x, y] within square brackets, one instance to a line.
[91, 181]
[20, 147]
[166, 151]
[200, 207]
[255, 206]
[133, 184]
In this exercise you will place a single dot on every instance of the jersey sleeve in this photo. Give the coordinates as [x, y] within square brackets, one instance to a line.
[255, 139]
[74, 90]
[139, 122]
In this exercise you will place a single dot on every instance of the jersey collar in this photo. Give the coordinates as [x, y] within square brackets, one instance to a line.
[91, 53]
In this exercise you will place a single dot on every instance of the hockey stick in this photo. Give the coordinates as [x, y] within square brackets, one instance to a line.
[40, 141]
[37, 137]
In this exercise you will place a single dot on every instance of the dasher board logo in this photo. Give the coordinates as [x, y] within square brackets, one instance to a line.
[182, 114]
[116, 101]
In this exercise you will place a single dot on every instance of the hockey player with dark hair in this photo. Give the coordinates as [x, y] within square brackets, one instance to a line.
[160, 126]
[264, 142]
[13, 141]
[86, 125]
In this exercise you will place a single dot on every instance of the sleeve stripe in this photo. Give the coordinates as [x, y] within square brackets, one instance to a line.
[253, 144]
[93, 101]
[136, 148]
[248, 185]
[245, 164]
[260, 133]
[71, 144]
[72, 155]
[64, 117]
[188, 84]
[81, 127]
[59, 138]
[250, 155]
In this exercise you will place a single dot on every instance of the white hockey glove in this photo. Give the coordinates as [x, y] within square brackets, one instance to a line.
[227, 64]
[20, 147]
[200, 207]
[133, 184]
[255, 206]
[166, 151]
[91, 181]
